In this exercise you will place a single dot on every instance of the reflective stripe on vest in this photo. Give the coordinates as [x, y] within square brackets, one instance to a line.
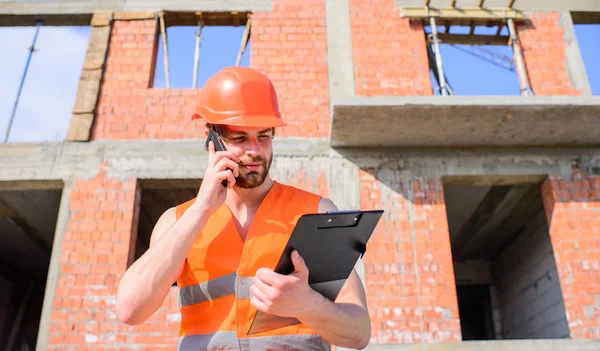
[214, 286]
[229, 341]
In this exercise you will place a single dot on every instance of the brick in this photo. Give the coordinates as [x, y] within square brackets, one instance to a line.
[389, 52]
[576, 250]
[392, 269]
[543, 45]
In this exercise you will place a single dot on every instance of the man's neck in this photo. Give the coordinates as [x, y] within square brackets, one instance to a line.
[241, 199]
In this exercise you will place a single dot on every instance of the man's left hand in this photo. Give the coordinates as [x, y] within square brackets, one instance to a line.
[283, 295]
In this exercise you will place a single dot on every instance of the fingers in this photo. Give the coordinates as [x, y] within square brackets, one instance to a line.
[263, 291]
[269, 277]
[226, 163]
[227, 174]
[217, 156]
[259, 305]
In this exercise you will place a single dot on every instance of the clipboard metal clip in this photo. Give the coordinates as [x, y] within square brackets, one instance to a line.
[362, 248]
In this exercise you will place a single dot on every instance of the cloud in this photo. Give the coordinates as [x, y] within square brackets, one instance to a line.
[48, 95]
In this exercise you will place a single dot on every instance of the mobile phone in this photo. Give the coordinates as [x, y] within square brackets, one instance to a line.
[219, 146]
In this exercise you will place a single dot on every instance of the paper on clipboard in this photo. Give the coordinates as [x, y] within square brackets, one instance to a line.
[330, 244]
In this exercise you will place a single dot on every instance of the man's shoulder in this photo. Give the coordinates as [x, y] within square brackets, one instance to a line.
[292, 189]
[323, 203]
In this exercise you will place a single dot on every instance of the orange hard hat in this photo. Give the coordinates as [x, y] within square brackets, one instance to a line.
[239, 96]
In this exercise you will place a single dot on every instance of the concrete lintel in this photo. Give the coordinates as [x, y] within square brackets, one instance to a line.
[483, 166]
[186, 159]
[465, 121]
[169, 159]
[80, 7]
[536, 5]
[494, 345]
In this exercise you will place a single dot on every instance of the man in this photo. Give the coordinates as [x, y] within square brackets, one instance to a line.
[221, 247]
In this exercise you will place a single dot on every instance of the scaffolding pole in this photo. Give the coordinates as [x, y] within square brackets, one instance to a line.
[197, 51]
[14, 110]
[165, 49]
[438, 56]
[523, 81]
[244, 43]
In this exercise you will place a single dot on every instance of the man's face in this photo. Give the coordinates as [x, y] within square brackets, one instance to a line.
[254, 147]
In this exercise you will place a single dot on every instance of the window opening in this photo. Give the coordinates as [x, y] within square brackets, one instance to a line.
[198, 45]
[587, 30]
[506, 275]
[474, 35]
[37, 101]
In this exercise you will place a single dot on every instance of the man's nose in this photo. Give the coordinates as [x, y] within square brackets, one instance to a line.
[253, 148]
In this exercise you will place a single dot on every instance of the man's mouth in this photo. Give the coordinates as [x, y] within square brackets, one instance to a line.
[253, 166]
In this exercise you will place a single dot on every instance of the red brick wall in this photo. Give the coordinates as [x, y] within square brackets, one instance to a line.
[408, 265]
[389, 52]
[288, 44]
[94, 256]
[128, 108]
[573, 212]
[543, 44]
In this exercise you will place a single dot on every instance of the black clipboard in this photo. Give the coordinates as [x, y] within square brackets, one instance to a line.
[331, 244]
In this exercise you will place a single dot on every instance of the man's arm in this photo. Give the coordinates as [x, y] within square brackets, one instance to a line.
[346, 322]
[147, 282]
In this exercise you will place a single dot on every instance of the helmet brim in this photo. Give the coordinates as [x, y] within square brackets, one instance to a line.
[247, 121]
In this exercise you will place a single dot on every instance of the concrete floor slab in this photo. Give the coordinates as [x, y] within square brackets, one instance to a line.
[466, 121]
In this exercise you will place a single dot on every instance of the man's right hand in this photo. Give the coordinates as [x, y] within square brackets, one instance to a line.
[222, 165]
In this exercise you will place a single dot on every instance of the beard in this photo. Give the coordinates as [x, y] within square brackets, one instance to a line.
[252, 179]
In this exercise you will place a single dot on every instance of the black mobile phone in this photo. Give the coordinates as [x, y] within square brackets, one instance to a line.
[219, 146]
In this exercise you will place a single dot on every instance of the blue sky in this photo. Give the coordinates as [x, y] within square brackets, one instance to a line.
[48, 95]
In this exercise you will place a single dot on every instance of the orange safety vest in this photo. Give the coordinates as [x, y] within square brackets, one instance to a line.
[214, 286]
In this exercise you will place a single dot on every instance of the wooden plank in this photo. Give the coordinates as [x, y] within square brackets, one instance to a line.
[585, 17]
[462, 13]
[473, 39]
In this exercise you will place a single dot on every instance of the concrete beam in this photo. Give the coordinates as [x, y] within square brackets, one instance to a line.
[534, 5]
[186, 159]
[79, 12]
[465, 121]
[72, 7]
[145, 159]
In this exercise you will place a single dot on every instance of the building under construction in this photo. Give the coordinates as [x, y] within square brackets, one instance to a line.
[490, 236]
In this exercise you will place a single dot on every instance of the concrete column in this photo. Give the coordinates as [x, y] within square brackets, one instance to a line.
[339, 49]
[574, 63]
[64, 214]
[91, 75]
[344, 191]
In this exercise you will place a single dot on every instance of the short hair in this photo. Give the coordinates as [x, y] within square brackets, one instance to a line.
[224, 132]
